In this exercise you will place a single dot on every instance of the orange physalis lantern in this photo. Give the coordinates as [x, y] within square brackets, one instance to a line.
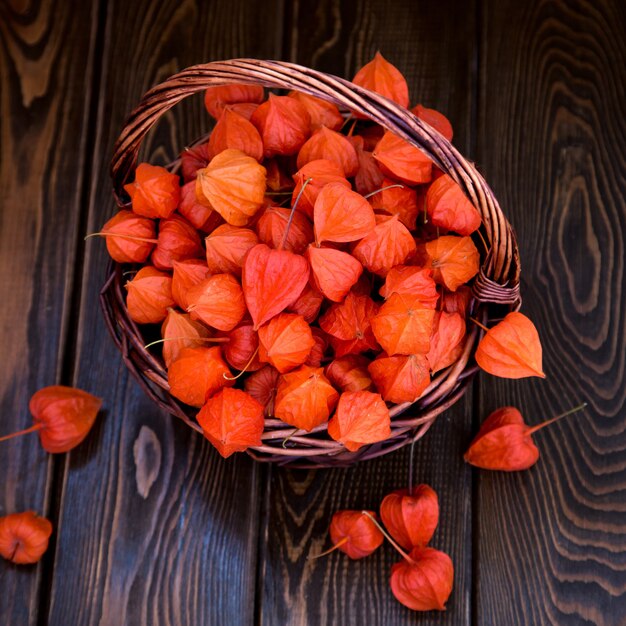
[272, 281]
[24, 537]
[185, 275]
[129, 237]
[217, 98]
[511, 348]
[283, 123]
[217, 301]
[285, 341]
[155, 192]
[198, 373]
[454, 260]
[435, 119]
[304, 398]
[446, 341]
[321, 112]
[341, 215]
[332, 146]
[334, 272]
[361, 417]
[178, 240]
[400, 159]
[390, 243]
[319, 173]
[400, 378]
[349, 325]
[411, 518]
[234, 185]
[449, 208]
[232, 420]
[403, 325]
[354, 533]
[384, 78]
[63, 416]
[236, 132]
[179, 331]
[149, 296]
[226, 248]
[241, 351]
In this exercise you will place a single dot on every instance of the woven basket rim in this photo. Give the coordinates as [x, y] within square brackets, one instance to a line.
[496, 285]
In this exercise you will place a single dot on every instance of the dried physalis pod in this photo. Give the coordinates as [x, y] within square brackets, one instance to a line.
[233, 183]
[329, 145]
[504, 441]
[403, 325]
[24, 537]
[272, 281]
[235, 131]
[411, 518]
[453, 260]
[283, 124]
[321, 112]
[285, 341]
[349, 325]
[198, 373]
[178, 332]
[446, 340]
[63, 417]
[361, 417]
[333, 272]
[178, 240]
[193, 159]
[354, 533]
[130, 238]
[384, 78]
[318, 173]
[305, 398]
[423, 580]
[399, 200]
[197, 211]
[155, 191]
[149, 296]
[232, 420]
[242, 348]
[227, 247]
[449, 208]
[389, 244]
[400, 159]
[261, 385]
[216, 99]
[350, 373]
[435, 119]
[412, 281]
[217, 301]
[511, 348]
[400, 378]
[341, 215]
[187, 274]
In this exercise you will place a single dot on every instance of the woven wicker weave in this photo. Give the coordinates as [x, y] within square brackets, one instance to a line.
[495, 288]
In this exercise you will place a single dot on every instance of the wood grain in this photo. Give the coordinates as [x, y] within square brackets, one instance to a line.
[45, 54]
[155, 528]
[552, 540]
[434, 48]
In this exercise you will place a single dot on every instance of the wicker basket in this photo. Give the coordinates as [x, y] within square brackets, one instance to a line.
[495, 289]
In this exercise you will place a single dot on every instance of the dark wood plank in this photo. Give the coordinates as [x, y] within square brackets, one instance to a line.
[552, 547]
[155, 527]
[434, 47]
[45, 59]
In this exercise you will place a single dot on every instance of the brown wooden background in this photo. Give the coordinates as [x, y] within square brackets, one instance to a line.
[151, 526]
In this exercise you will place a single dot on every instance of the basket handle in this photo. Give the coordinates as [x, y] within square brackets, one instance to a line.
[498, 280]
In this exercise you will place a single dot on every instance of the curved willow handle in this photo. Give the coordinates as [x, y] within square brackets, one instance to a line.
[499, 277]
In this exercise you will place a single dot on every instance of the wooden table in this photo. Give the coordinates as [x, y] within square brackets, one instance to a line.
[151, 525]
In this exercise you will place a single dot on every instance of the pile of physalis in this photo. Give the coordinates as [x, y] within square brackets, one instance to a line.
[306, 266]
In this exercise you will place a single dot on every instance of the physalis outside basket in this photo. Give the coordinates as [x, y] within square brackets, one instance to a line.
[495, 289]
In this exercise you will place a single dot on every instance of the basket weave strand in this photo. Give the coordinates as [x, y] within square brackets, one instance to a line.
[496, 284]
